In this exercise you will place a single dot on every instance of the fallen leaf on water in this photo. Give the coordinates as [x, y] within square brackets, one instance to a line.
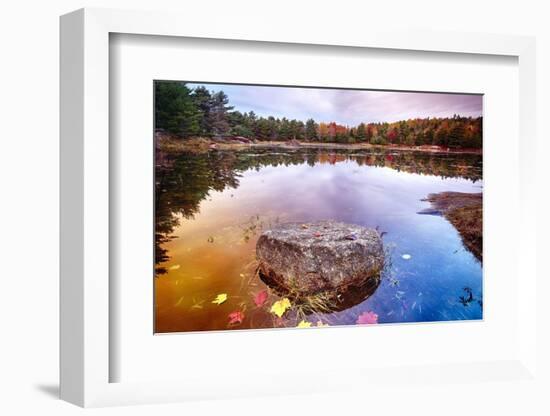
[321, 324]
[174, 267]
[235, 318]
[260, 298]
[304, 226]
[242, 275]
[367, 318]
[179, 301]
[304, 324]
[280, 307]
[221, 298]
[197, 305]
[317, 235]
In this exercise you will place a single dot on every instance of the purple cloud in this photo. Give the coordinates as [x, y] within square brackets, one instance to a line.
[348, 107]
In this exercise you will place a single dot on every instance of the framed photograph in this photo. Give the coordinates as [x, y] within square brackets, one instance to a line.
[288, 211]
[268, 217]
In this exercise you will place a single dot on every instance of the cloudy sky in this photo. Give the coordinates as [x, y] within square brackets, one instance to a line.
[347, 107]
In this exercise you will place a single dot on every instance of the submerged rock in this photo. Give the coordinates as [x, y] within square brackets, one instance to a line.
[310, 258]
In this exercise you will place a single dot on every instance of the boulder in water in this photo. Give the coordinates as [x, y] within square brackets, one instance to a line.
[309, 258]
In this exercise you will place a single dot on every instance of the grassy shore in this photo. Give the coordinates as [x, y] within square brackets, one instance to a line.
[170, 143]
[465, 212]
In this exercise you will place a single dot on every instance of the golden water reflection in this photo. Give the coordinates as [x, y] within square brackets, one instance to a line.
[211, 207]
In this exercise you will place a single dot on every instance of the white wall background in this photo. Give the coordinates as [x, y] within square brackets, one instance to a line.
[29, 206]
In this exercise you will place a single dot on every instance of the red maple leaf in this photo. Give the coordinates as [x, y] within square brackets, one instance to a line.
[235, 318]
[367, 318]
[260, 298]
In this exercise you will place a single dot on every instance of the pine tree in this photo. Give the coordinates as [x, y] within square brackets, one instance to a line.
[456, 135]
[218, 114]
[203, 100]
[361, 132]
[311, 129]
[273, 128]
[175, 111]
[200, 112]
[250, 120]
[285, 132]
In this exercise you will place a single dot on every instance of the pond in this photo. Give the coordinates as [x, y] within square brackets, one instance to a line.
[212, 206]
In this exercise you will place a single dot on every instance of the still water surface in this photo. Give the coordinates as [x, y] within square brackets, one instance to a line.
[211, 208]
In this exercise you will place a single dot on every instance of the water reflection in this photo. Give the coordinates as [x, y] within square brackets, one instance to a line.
[338, 301]
[211, 206]
[184, 179]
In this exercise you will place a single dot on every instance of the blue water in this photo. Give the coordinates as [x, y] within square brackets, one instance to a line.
[431, 276]
[426, 287]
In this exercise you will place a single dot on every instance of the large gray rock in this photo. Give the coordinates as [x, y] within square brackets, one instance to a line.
[316, 257]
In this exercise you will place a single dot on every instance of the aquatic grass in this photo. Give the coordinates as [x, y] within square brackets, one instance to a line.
[312, 307]
[387, 272]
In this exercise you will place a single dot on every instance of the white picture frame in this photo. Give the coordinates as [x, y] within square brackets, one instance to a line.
[85, 210]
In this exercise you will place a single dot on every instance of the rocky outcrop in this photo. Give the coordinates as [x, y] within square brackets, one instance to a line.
[325, 256]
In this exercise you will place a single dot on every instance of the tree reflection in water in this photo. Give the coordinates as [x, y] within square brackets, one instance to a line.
[183, 180]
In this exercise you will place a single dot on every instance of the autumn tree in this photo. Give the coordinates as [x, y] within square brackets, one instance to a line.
[189, 112]
[324, 132]
[392, 135]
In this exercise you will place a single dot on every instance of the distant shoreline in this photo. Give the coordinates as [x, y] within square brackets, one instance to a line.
[167, 143]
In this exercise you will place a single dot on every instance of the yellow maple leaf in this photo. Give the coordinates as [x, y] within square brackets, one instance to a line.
[221, 298]
[280, 307]
[304, 324]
